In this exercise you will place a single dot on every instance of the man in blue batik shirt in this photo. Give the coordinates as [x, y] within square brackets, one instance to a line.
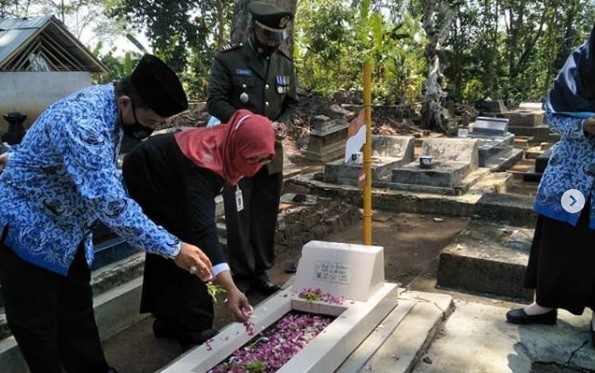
[54, 186]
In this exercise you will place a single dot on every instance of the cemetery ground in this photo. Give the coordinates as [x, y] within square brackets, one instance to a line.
[458, 261]
[412, 243]
[465, 331]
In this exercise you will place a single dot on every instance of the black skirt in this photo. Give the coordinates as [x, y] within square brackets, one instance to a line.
[561, 265]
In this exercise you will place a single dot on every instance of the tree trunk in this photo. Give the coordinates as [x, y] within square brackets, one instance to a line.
[437, 20]
[240, 20]
[219, 35]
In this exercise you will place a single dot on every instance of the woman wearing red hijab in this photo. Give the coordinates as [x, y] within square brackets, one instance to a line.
[175, 177]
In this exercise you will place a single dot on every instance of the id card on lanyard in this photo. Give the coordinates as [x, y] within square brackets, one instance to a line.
[239, 199]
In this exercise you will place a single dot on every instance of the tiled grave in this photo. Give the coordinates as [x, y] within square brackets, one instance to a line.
[454, 167]
[388, 152]
[496, 150]
[355, 272]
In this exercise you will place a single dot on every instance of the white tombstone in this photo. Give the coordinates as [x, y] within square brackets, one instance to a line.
[341, 269]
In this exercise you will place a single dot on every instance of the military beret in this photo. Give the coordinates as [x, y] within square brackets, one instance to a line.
[270, 15]
[159, 86]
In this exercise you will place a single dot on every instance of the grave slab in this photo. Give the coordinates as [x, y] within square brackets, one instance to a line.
[529, 114]
[541, 162]
[476, 338]
[496, 144]
[489, 126]
[398, 344]
[327, 139]
[491, 106]
[537, 133]
[388, 152]
[454, 159]
[487, 257]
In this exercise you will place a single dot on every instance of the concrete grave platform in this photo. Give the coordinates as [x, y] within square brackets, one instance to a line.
[458, 187]
[529, 114]
[491, 254]
[496, 144]
[327, 138]
[537, 133]
[454, 160]
[509, 209]
[353, 271]
[541, 162]
[487, 257]
[388, 152]
[501, 157]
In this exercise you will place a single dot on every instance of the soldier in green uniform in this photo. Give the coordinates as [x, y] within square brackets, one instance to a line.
[255, 75]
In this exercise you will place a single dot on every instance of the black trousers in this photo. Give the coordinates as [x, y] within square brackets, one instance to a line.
[51, 316]
[251, 232]
[178, 299]
[561, 264]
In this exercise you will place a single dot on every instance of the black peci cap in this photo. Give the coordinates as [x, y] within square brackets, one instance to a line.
[272, 19]
[159, 86]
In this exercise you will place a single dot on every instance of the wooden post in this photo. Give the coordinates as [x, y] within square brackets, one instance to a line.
[368, 153]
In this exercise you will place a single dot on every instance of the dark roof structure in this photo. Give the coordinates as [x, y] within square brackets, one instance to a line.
[43, 44]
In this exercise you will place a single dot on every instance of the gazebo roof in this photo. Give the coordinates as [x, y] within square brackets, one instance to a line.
[43, 44]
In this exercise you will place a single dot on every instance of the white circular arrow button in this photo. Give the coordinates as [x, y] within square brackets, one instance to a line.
[573, 201]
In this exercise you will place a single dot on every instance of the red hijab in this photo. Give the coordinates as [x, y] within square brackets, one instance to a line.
[224, 149]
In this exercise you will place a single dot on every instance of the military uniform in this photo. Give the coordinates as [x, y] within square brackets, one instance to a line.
[240, 79]
[243, 78]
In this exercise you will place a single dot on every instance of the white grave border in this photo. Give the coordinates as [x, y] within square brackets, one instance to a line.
[355, 319]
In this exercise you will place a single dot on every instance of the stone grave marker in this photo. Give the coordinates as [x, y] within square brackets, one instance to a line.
[343, 270]
[490, 126]
[327, 138]
[496, 150]
[529, 114]
[453, 159]
[388, 152]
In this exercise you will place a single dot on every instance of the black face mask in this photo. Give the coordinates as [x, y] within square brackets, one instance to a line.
[136, 130]
[263, 49]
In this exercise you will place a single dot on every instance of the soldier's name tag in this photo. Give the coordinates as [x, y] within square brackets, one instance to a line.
[239, 199]
[243, 72]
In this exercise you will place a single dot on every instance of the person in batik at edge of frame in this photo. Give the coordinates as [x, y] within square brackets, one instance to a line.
[561, 265]
[54, 187]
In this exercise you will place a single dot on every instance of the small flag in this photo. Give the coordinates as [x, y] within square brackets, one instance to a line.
[356, 136]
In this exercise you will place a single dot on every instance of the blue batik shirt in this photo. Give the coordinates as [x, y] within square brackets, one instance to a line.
[571, 166]
[63, 178]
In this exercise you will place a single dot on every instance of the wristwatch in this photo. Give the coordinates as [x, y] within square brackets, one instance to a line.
[176, 251]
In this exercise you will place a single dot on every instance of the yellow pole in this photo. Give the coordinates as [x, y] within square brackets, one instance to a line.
[368, 153]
